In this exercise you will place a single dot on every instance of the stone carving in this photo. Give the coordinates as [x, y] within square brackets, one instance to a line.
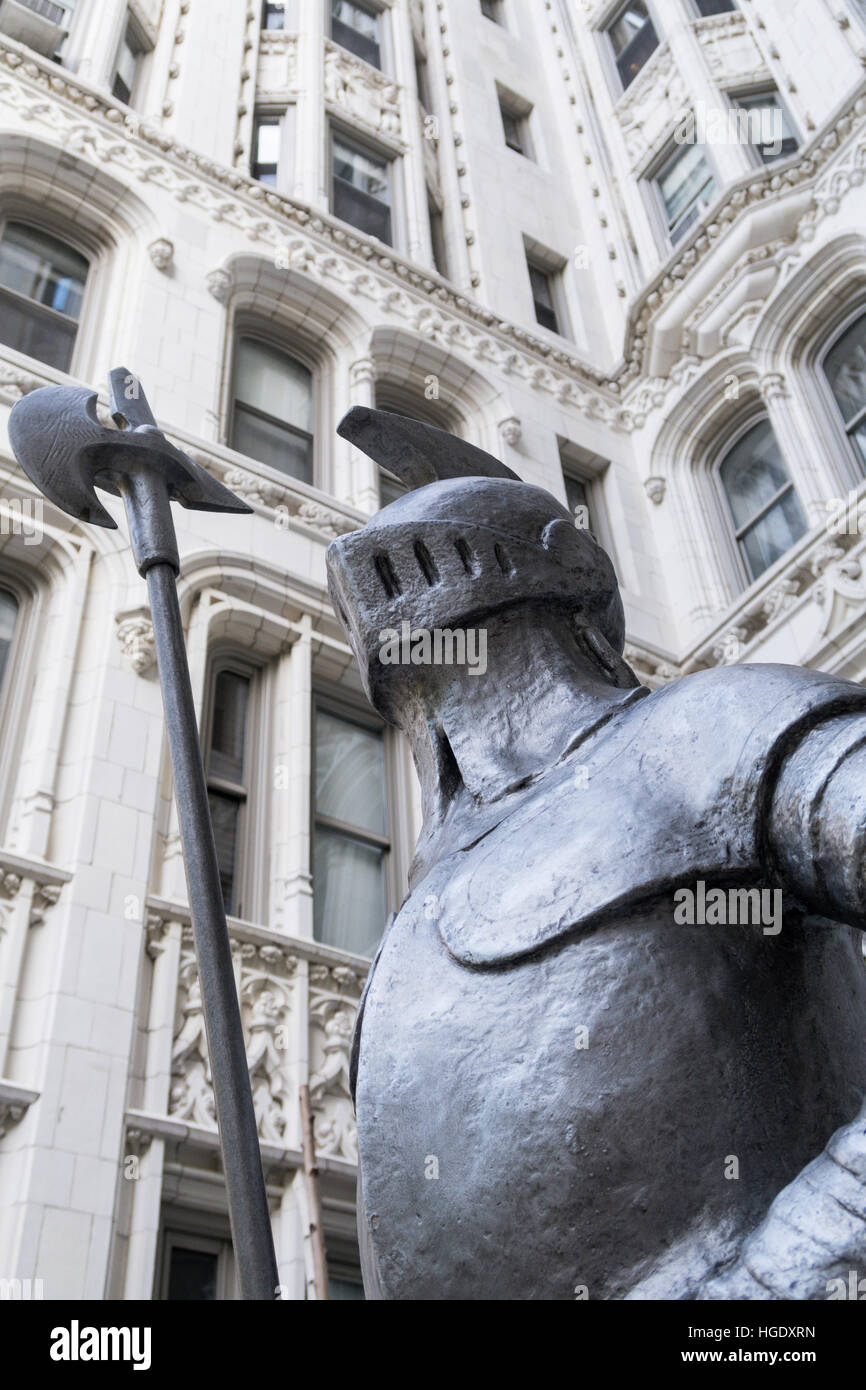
[266, 974]
[362, 91]
[730, 48]
[655, 489]
[629, 966]
[219, 282]
[161, 252]
[333, 1008]
[511, 431]
[135, 635]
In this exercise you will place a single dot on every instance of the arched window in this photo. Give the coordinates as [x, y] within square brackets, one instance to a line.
[8, 619]
[272, 414]
[845, 368]
[41, 290]
[768, 518]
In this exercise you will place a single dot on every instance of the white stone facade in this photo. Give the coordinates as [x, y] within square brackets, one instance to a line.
[667, 353]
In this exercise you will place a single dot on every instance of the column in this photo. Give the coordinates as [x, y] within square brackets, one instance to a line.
[291, 890]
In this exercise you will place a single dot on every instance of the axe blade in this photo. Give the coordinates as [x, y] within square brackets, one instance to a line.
[66, 451]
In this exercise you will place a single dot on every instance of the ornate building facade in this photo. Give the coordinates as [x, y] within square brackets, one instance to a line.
[618, 245]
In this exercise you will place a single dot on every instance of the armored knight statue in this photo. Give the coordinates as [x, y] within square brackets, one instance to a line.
[613, 1045]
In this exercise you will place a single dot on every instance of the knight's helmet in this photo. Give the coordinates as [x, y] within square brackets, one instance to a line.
[467, 539]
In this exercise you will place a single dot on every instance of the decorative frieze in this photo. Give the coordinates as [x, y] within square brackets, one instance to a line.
[355, 89]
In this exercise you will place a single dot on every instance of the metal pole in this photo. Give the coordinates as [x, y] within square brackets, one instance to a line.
[252, 1236]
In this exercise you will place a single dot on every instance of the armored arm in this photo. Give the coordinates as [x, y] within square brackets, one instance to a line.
[817, 819]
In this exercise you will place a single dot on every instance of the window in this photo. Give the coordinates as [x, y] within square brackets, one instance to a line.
[390, 487]
[126, 67]
[227, 767]
[687, 187]
[196, 1267]
[266, 150]
[362, 189]
[41, 290]
[515, 123]
[273, 16]
[355, 27]
[492, 9]
[578, 501]
[708, 7]
[422, 82]
[768, 127]
[351, 833]
[634, 40]
[272, 415]
[544, 296]
[8, 620]
[845, 369]
[767, 515]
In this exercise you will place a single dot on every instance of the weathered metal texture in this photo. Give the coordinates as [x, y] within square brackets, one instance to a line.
[562, 1090]
[66, 452]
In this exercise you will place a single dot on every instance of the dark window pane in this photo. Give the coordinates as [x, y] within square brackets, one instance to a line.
[390, 488]
[767, 514]
[542, 294]
[43, 269]
[634, 39]
[225, 813]
[48, 337]
[8, 619]
[845, 365]
[341, 1290]
[708, 7]
[362, 211]
[273, 443]
[687, 187]
[356, 29]
[766, 126]
[348, 892]
[577, 498]
[273, 16]
[774, 534]
[513, 127]
[229, 726]
[192, 1274]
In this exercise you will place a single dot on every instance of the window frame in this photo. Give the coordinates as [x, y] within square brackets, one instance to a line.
[734, 95]
[745, 423]
[498, 17]
[652, 177]
[249, 880]
[590, 470]
[205, 1231]
[267, 6]
[613, 58]
[131, 28]
[265, 116]
[276, 342]
[14, 690]
[341, 705]
[380, 12]
[349, 136]
[519, 110]
[24, 217]
[539, 259]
